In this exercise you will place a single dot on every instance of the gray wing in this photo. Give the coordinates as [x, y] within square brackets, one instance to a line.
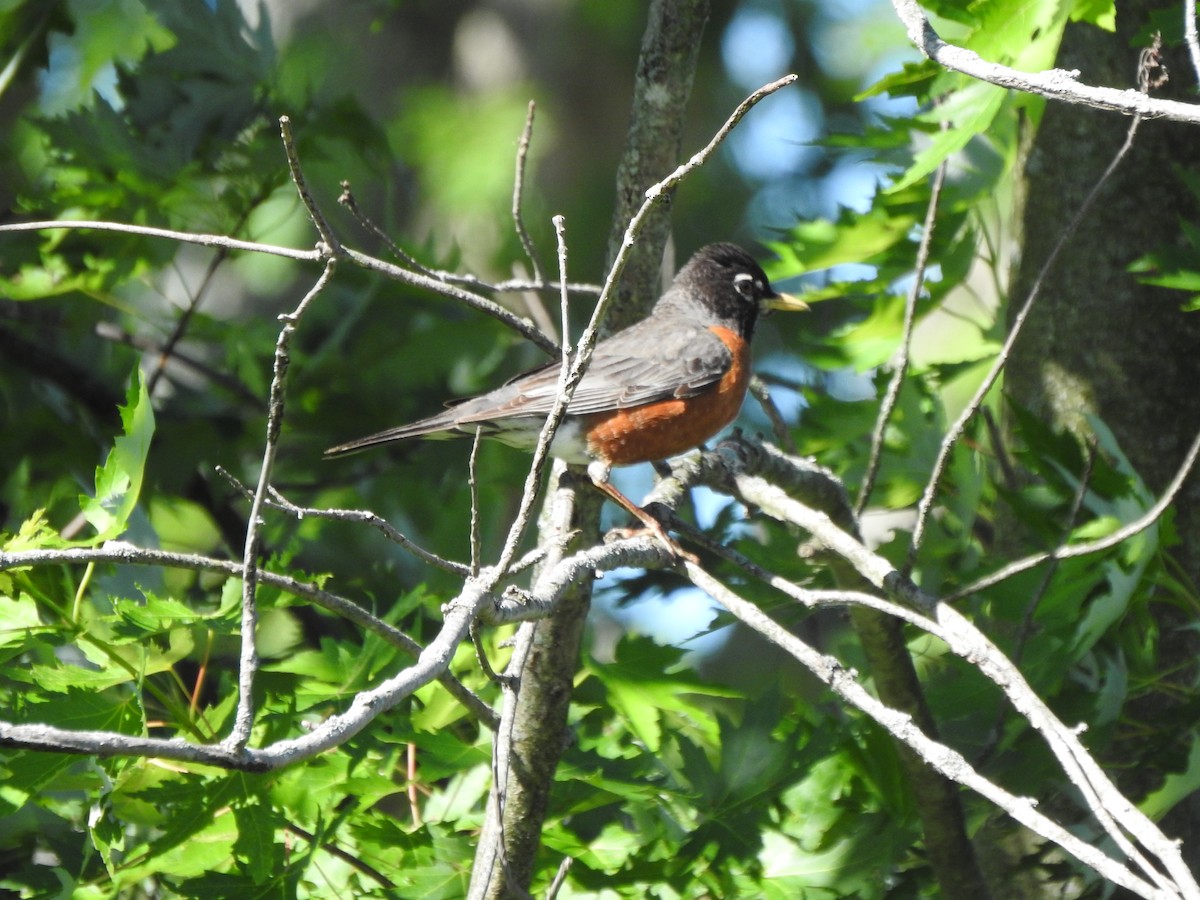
[659, 360]
[671, 359]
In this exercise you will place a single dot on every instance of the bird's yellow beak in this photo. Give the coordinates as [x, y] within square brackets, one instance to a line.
[785, 302]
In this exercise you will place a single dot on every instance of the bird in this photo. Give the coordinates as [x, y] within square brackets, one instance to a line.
[655, 389]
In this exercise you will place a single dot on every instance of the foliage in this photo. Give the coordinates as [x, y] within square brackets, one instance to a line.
[722, 772]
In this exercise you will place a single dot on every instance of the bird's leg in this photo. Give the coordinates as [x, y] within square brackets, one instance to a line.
[599, 472]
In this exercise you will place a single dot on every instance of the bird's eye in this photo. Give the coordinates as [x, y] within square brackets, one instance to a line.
[744, 284]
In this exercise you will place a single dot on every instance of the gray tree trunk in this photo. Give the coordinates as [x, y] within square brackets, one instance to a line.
[535, 728]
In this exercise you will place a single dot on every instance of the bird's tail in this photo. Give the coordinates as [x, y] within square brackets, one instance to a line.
[437, 425]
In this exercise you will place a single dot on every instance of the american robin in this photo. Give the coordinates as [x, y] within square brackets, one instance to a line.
[655, 389]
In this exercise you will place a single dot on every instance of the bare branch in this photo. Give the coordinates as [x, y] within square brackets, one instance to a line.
[364, 516]
[430, 283]
[447, 284]
[1056, 84]
[432, 663]
[332, 245]
[1138, 525]
[110, 331]
[956, 429]
[473, 485]
[942, 758]
[120, 553]
[779, 427]
[730, 466]
[183, 237]
[900, 364]
[346, 199]
[248, 664]
[570, 374]
[518, 192]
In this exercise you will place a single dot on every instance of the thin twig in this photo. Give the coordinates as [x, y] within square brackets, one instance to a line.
[346, 199]
[518, 191]
[332, 245]
[1008, 473]
[362, 516]
[560, 878]
[564, 294]
[473, 486]
[448, 289]
[345, 856]
[276, 500]
[779, 427]
[942, 758]
[410, 776]
[447, 284]
[248, 663]
[169, 347]
[1122, 534]
[485, 664]
[1026, 627]
[183, 237]
[900, 371]
[569, 377]
[517, 285]
[955, 431]
[110, 331]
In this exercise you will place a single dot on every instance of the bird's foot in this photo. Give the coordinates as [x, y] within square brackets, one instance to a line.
[652, 526]
[598, 472]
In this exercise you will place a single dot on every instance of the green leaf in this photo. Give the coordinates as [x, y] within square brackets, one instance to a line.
[257, 852]
[35, 533]
[822, 244]
[119, 480]
[82, 709]
[971, 110]
[644, 682]
[874, 340]
[18, 617]
[1101, 13]
[1177, 787]
[107, 32]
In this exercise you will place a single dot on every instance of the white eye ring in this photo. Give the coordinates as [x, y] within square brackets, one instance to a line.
[743, 283]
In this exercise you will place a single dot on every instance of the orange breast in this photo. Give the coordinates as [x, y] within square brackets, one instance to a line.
[669, 427]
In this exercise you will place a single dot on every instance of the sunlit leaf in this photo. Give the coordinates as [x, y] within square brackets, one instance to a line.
[119, 480]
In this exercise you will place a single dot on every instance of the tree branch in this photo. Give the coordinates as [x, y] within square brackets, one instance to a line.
[1055, 84]
[120, 553]
[946, 761]
[519, 192]
[248, 664]
[958, 427]
[900, 365]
